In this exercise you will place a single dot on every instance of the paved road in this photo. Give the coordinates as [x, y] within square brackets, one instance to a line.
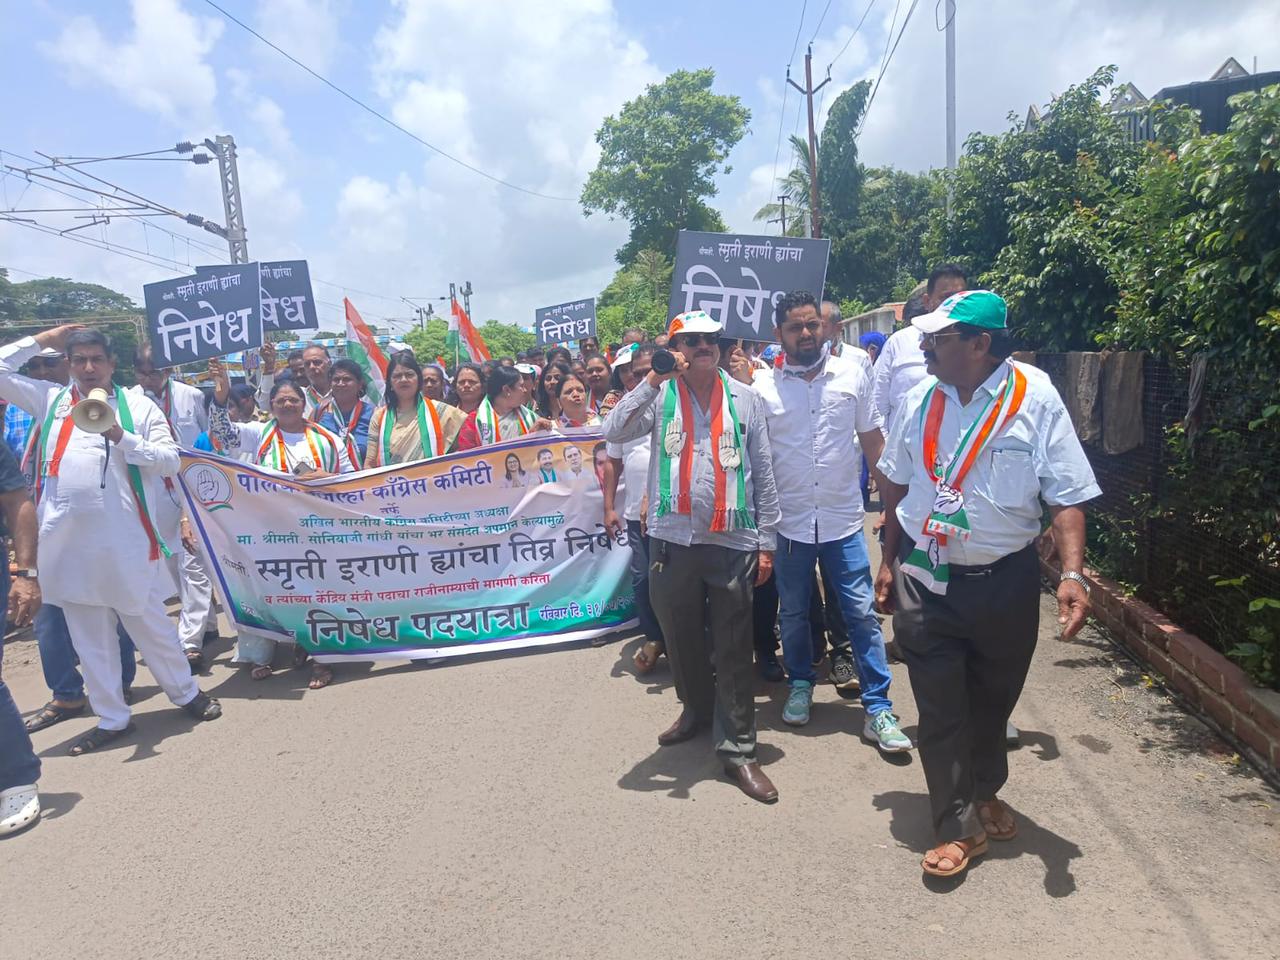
[520, 807]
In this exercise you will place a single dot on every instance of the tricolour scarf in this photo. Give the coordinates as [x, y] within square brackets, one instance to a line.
[322, 444]
[347, 429]
[49, 466]
[430, 432]
[675, 457]
[487, 425]
[928, 561]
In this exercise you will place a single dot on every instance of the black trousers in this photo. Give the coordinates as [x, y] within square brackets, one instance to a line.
[702, 597]
[967, 655]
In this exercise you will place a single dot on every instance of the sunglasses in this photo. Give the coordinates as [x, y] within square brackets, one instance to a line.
[935, 337]
[699, 339]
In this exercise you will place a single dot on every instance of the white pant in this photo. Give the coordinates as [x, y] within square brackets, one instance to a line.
[93, 634]
[195, 590]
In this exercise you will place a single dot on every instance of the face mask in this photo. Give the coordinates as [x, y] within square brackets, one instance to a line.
[825, 352]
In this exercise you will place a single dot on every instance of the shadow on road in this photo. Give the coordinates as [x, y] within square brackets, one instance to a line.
[656, 681]
[55, 805]
[677, 768]
[152, 729]
[911, 824]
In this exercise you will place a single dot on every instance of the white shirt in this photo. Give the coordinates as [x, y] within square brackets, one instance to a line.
[184, 409]
[634, 455]
[817, 459]
[1037, 456]
[248, 437]
[899, 367]
[93, 547]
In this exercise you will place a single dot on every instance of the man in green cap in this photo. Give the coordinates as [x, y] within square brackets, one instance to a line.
[973, 452]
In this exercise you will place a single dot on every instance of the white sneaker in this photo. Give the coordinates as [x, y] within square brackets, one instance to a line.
[19, 808]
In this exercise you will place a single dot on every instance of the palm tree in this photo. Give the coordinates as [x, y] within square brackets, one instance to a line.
[795, 187]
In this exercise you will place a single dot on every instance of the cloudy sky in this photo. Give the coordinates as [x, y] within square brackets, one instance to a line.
[515, 89]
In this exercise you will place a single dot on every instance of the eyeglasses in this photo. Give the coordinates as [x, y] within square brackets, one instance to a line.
[935, 337]
[699, 339]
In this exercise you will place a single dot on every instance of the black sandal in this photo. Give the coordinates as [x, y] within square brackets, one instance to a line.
[195, 660]
[96, 738]
[52, 713]
[203, 707]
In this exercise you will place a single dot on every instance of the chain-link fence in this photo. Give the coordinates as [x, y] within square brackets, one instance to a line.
[1189, 518]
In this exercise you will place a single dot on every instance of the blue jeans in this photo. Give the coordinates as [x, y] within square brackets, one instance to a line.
[19, 764]
[640, 581]
[58, 656]
[849, 569]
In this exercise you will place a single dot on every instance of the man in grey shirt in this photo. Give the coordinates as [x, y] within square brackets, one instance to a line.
[713, 510]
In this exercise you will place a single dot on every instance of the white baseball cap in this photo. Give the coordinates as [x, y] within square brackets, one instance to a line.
[694, 321]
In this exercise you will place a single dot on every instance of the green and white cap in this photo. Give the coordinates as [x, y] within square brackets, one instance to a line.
[977, 308]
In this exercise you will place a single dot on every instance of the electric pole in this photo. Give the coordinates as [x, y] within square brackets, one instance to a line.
[951, 101]
[224, 148]
[782, 215]
[466, 298]
[453, 321]
[815, 213]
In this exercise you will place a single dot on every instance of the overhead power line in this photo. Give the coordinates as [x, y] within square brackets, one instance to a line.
[889, 59]
[384, 118]
[799, 29]
[861, 21]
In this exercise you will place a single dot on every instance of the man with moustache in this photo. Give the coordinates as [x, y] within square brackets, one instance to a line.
[711, 518]
[975, 453]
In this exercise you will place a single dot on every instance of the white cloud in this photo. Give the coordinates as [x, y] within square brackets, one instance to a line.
[308, 29]
[158, 67]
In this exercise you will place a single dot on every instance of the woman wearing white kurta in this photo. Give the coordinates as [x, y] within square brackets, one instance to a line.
[101, 553]
[287, 443]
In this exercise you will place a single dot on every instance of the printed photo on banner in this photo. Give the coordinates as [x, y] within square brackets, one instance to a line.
[738, 279]
[565, 322]
[208, 314]
[493, 549]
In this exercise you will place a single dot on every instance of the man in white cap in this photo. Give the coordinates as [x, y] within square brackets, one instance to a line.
[185, 412]
[712, 514]
[974, 453]
[98, 540]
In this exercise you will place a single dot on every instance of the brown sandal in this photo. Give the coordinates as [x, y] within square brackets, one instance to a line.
[989, 812]
[969, 848]
[646, 657]
[261, 671]
[321, 676]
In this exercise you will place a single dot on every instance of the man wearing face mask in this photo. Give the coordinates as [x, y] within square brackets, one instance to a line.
[821, 419]
[712, 514]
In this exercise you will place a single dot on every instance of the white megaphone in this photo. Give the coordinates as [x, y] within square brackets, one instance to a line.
[93, 414]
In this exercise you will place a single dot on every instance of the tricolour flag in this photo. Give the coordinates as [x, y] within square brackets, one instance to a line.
[364, 350]
[464, 341]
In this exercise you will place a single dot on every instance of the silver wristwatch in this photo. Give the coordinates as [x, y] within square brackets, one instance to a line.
[1078, 578]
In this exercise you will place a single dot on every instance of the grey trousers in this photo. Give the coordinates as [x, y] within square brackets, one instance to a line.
[967, 655]
[702, 597]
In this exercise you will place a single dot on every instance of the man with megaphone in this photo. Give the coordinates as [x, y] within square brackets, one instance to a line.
[99, 476]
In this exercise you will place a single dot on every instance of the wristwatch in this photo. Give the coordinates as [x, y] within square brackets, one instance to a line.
[25, 572]
[1078, 578]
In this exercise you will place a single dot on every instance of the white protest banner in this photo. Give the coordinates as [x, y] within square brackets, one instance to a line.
[464, 553]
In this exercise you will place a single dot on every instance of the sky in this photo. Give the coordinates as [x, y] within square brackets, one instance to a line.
[516, 90]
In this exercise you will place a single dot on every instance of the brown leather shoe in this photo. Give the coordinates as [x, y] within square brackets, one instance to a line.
[685, 728]
[752, 780]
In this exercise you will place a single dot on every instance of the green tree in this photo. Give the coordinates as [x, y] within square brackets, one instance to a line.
[635, 297]
[795, 187]
[503, 340]
[840, 175]
[659, 159]
[428, 343]
[1031, 216]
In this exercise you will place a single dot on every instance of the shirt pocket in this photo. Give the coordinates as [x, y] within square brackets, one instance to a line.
[1014, 482]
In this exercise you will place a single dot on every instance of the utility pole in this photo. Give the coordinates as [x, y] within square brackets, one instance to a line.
[951, 101]
[782, 216]
[224, 148]
[815, 213]
[457, 340]
[466, 298]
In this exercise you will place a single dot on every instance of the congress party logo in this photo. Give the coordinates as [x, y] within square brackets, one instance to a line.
[209, 486]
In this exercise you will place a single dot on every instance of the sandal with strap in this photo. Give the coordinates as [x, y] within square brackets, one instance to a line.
[98, 737]
[52, 713]
[969, 848]
[990, 813]
[646, 657]
[260, 671]
[321, 676]
[203, 707]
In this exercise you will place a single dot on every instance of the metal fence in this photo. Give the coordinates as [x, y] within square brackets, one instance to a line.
[1190, 518]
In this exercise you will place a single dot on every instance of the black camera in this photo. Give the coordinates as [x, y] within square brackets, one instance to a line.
[664, 361]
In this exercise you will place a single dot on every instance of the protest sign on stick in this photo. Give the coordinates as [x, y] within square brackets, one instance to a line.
[287, 300]
[216, 311]
[738, 279]
[565, 322]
